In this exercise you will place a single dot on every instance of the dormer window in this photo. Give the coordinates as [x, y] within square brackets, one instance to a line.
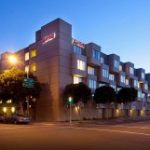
[96, 54]
[131, 70]
[116, 64]
[142, 75]
[78, 50]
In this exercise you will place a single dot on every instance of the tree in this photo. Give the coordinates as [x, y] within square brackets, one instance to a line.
[126, 95]
[105, 95]
[79, 92]
[11, 86]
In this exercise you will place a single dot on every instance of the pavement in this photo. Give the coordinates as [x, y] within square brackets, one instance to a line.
[101, 122]
[78, 136]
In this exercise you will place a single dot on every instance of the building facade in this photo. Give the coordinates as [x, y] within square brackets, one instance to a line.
[57, 59]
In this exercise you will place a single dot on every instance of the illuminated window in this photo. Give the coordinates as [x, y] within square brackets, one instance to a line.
[26, 56]
[80, 65]
[33, 53]
[91, 70]
[76, 79]
[33, 67]
[26, 68]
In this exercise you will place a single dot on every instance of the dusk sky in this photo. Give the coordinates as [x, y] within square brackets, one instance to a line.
[118, 26]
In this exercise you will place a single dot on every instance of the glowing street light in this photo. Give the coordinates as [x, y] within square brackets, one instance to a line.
[4, 109]
[70, 101]
[13, 109]
[12, 59]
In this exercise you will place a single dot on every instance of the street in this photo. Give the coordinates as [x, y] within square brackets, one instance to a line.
[52, 136]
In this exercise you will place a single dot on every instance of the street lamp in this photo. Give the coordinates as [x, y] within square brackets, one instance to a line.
[4, 109]
[70, 101]
[13, 109]
[12, 59]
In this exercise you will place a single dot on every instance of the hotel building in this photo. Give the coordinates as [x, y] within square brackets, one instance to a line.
[57, 59]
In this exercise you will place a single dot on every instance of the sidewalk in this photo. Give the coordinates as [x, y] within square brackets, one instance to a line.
[98, 122]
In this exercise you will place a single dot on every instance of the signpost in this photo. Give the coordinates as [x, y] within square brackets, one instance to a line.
[28, 83]
[70, 102]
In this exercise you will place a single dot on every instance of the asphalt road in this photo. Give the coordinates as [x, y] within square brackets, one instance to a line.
[47, 136]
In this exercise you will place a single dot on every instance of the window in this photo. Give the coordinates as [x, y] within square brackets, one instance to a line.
[123, 79]
[120, 67]
[76, 79]
[105, 73]
[143, 95]
[131, 70]
[26, 56]
[96, 54]
[116, 64]
[33, 53]
[78, 50]
[135, 83]
[92, 84]
[102, 60]
[127, 81]
[111, 77]
[146, 86]
[26, 68]
[91, 70]
[139, 94]
[33, 67]
[142, 75]
[138, 84]
[80, 65]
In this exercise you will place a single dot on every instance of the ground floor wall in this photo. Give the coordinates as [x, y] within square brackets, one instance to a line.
[85, 112]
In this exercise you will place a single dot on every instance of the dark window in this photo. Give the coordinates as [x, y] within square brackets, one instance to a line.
[96, 54]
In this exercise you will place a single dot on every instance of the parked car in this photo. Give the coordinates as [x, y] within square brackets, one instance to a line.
[16, 119]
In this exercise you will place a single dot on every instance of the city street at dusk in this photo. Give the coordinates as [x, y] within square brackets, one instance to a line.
[48, 136]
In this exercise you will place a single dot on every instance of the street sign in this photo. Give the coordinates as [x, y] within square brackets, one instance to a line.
[28, 83]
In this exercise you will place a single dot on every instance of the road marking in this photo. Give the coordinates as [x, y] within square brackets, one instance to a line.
[14, 127]
[110, 130]
[132, 127]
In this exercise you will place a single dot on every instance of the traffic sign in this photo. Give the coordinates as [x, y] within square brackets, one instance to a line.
[28, 82]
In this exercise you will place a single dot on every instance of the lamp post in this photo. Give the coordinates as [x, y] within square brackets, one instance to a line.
[70, 101]
[27, 97]
[13, 60]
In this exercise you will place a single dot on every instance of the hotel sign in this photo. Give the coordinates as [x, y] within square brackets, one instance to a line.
[48, 38]
[78, 43]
